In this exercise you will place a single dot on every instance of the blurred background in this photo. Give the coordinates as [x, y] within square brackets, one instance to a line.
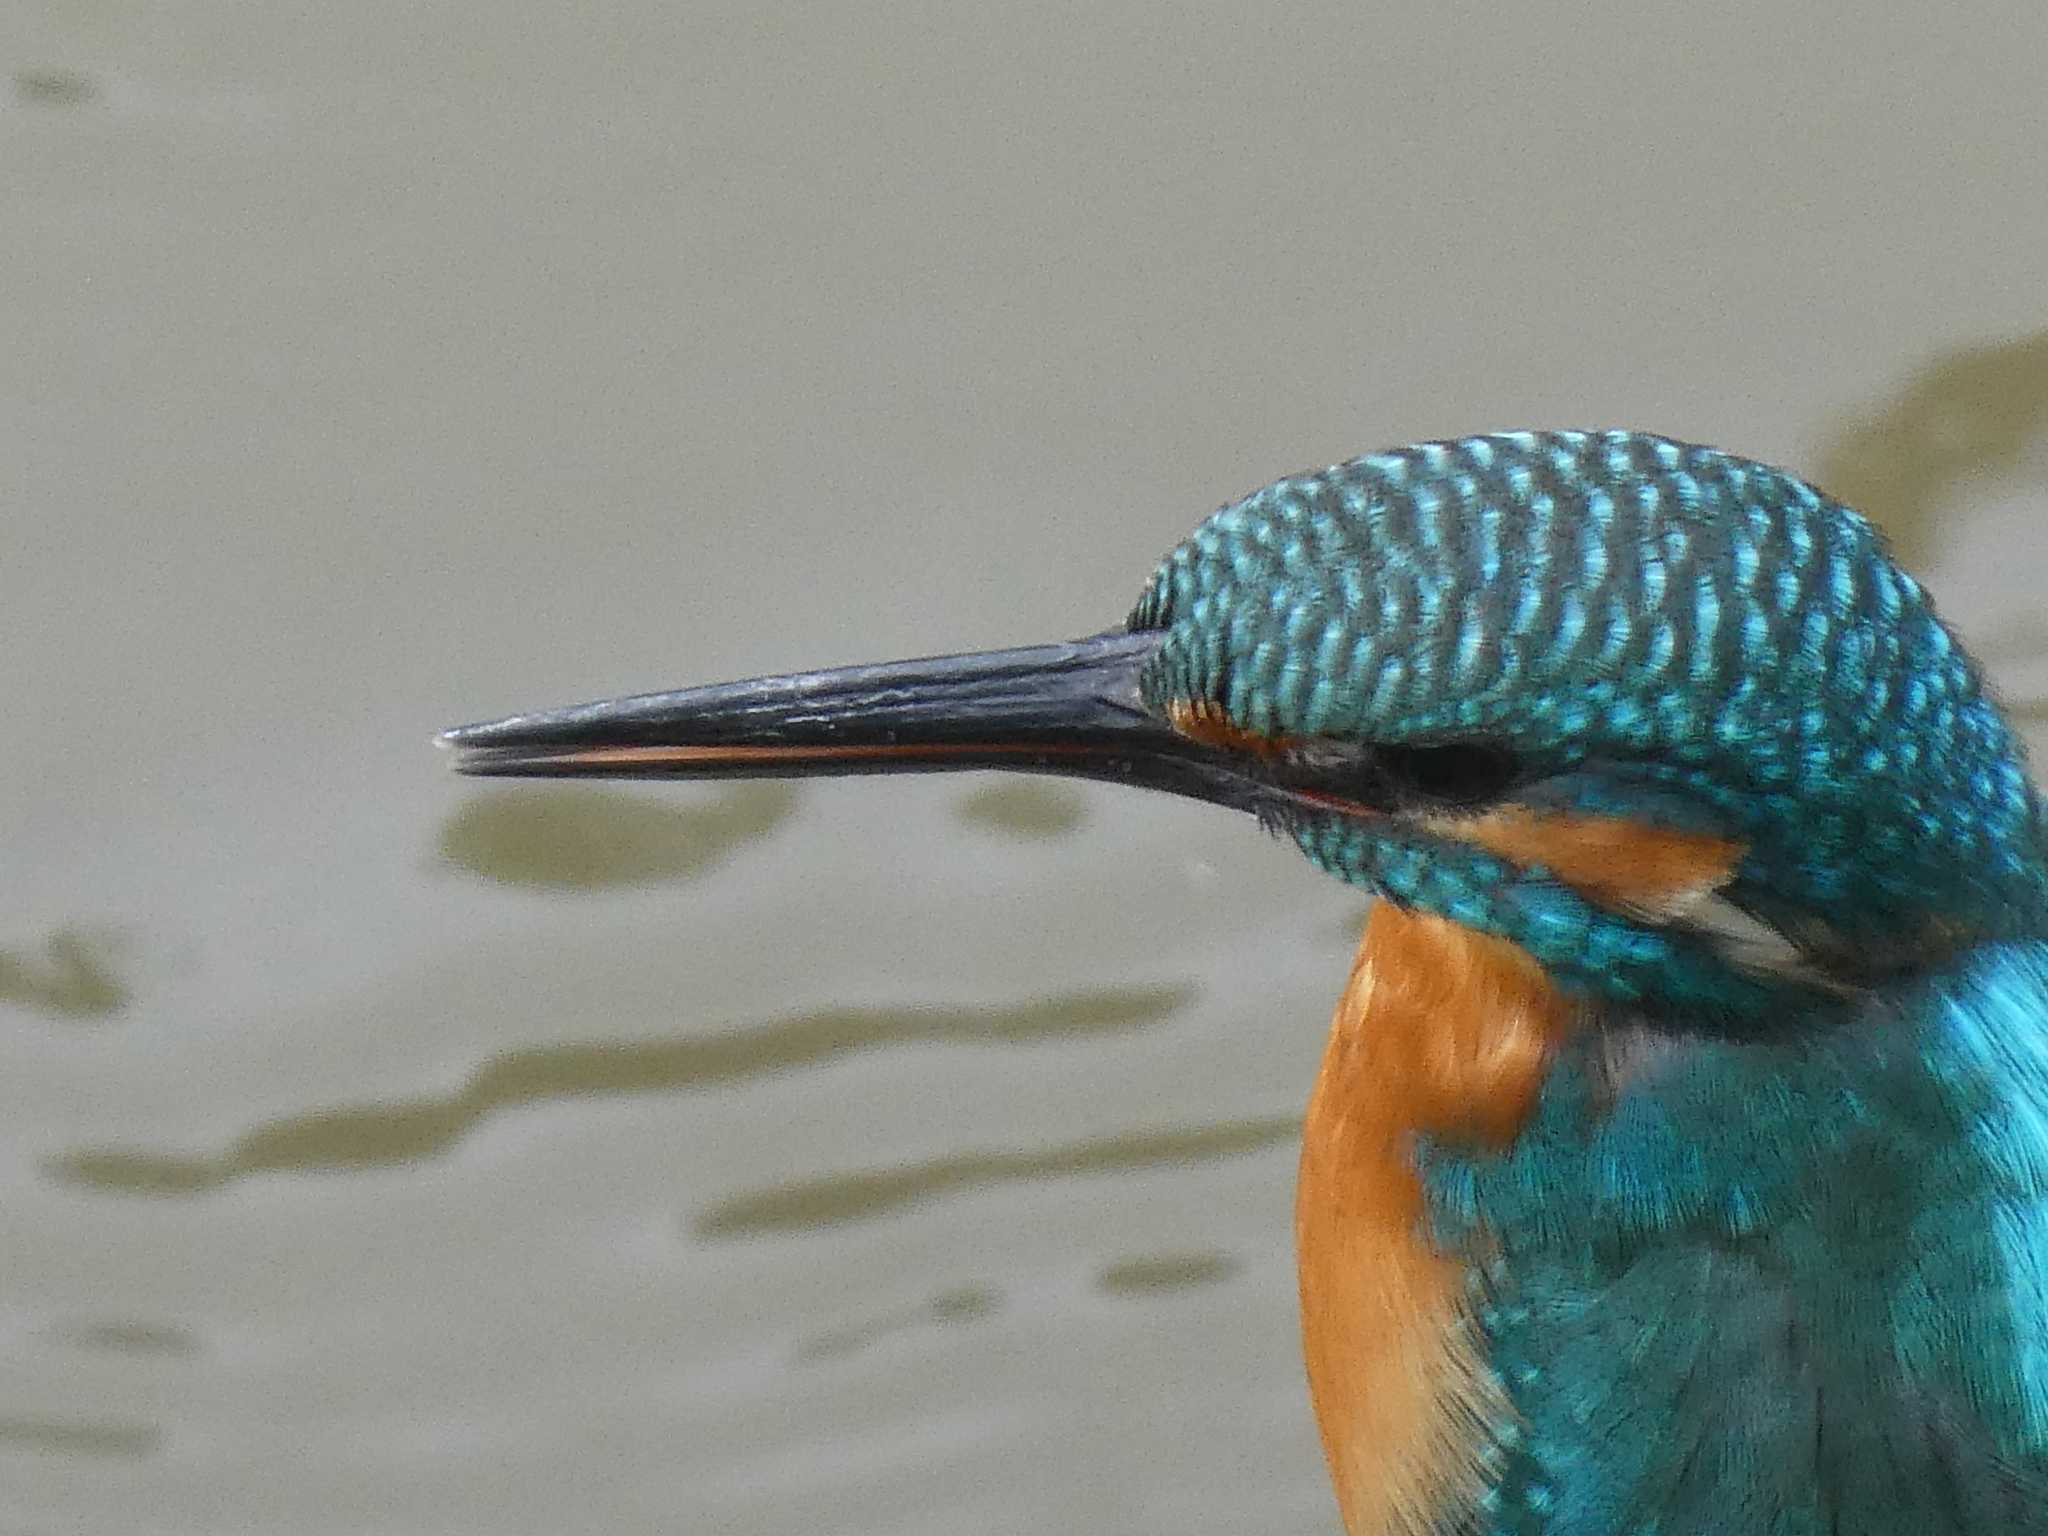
[380, 1152]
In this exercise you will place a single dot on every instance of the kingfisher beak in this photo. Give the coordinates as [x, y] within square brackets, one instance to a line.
[1071, 709]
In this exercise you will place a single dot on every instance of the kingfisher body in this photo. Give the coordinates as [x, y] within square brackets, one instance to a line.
[1679, 1157]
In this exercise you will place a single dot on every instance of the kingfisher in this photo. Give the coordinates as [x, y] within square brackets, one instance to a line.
[1678, 1160]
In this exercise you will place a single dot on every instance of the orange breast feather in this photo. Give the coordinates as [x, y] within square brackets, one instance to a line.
[1445, 1032]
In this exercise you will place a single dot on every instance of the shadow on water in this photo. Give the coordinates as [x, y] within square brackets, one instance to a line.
[1158, 1273]
[1966, 413]
[81, 1437]
[841, 1198]
[381, 1135]
[581, 837]
[1024, 809]
[948, 1309]
[73, 978]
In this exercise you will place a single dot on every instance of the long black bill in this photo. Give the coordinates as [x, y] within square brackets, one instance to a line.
[1070, 709]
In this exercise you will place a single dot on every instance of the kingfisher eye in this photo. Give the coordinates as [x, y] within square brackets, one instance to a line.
[1452, 773]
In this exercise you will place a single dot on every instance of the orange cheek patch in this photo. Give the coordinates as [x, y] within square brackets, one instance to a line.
[1441, 1032]
[1623, 865]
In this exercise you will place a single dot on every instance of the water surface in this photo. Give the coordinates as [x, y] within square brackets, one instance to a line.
[386, 1153]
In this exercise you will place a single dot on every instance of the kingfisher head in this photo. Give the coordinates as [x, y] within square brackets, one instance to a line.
[1670, 720]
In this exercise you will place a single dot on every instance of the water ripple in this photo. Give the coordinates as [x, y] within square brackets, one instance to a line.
[73, 978]
[81, 1437]
[1155, 1273]
[162, 1340]
[839, 1198]
[582, 837]
[1024, 808]
[948, 1309]
[381, 1135]
[1967, 413]
[55, 87]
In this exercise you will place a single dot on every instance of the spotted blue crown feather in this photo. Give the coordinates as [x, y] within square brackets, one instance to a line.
[1714, 635]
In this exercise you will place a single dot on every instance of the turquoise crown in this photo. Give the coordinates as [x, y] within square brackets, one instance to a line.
[1646, 628]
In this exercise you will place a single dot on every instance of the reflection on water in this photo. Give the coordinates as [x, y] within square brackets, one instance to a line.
[830, 1201]
[1152, 1274]
[583, 837]
[1024, 808]
[73, 977]
[950, 1308]
[379, 1135]
[132, 1338]
[1968, 413]
[81, 1437]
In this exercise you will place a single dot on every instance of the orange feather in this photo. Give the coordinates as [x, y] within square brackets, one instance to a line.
[1621, 864]
[1204, 720]
[1445, 1032]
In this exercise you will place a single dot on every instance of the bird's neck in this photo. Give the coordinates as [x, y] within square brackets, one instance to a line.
[1446, 1034]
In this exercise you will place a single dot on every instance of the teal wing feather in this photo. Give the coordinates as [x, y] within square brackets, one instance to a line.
[1794, 1285]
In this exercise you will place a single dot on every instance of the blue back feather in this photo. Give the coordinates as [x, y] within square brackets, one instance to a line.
[1794, 1284]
